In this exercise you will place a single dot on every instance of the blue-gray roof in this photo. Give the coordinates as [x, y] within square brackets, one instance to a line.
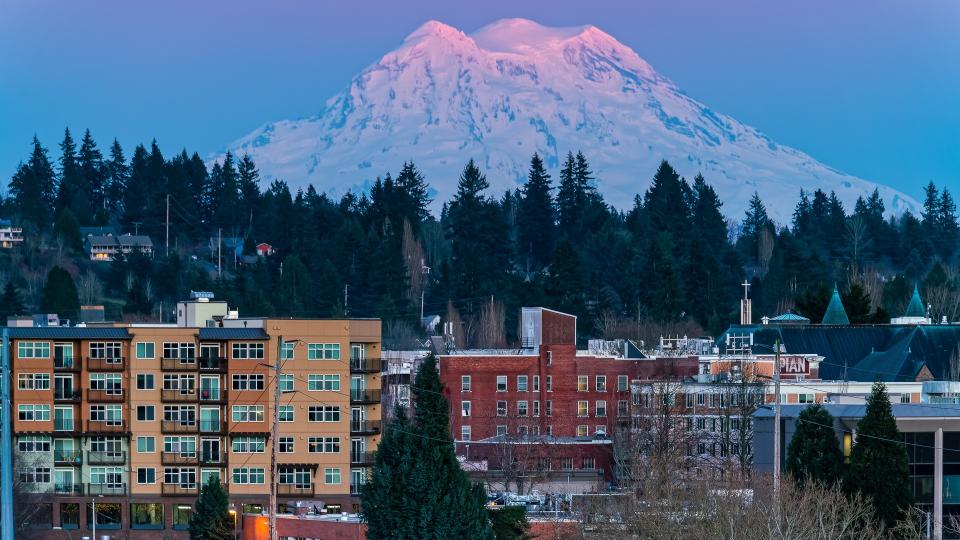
[790, 317]
[220, 334]
[856, 410]
[67, 332]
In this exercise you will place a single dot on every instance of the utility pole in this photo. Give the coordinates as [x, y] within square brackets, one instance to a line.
[219, 243]
[6, 444]
[776, 424]
[273, 440]
[136, 228]
[167, 252]
[346, 300]
[93, 528]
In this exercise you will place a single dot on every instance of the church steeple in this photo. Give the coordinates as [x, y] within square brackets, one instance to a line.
[835, 313]
[915, 308]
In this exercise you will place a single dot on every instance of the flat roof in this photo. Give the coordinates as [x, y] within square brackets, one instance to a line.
[839, 410]
[216, 334]
[67, 332]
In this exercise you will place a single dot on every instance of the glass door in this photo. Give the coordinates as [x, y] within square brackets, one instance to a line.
[210, 388]
[63, 418]
[210, 419]
[210, 450]
[63, 355]
[63, 451]
[63, 481]
[358, 387]
[63, 387]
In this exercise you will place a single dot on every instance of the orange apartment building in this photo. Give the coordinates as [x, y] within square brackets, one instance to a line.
[139, 416]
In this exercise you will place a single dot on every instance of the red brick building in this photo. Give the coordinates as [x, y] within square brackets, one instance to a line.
[546, 408]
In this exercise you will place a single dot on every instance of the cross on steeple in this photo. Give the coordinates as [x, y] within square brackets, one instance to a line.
[746, 289]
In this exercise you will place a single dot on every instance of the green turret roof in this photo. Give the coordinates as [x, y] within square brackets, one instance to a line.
[915, 309]
[835, 313]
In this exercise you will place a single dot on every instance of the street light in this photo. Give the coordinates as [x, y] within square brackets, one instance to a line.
[233, 512]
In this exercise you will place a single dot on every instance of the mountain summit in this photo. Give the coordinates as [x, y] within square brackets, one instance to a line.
[515, 87]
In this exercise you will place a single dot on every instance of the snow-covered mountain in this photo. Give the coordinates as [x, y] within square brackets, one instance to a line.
[514, 88]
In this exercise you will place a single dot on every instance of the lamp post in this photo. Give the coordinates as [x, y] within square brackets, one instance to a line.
[233, 513]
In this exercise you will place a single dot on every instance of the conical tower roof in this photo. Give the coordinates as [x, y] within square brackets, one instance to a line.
[916, 309]
[835, 313]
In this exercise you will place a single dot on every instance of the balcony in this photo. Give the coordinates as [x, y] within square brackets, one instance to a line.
[106, 364]
[211, 458]
[298, 490]
[212, 426]
[67, 457]
[363, 459]
[105, 395]
[178, 364]
[68, 489]
[72, 396]
[179, 395]
[364, 427]
[66, 426]
[107, 458]
[364, 397]
[174, 490]
[66, 363]
[178, 458]
[107, 489]
[213, 364]
[212, 396]
[177, 426]
[102, 426]
[365, 365]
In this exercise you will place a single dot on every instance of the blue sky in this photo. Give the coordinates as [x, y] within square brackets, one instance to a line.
[871, 87]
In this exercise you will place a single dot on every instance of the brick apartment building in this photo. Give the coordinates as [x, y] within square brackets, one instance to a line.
[139, 416]
[546, 401]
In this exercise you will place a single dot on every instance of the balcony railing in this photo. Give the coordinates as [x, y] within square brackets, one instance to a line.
[67, 457]
[106, 426]
[213, 363]
[295, 489]
[179, 489]
[362, 458]
[178, 426]
[178, 458]
[364, 427]
[178, 364]
[364, 397]
[66, 363]
[68, 489]
[72, 396]
[212, 426]
[210, 458]
[212, 396]
[179, 396]
[106, 395]
[107, 489]
[107, 458]
[106, 364]
[365, 365]
[66, 425]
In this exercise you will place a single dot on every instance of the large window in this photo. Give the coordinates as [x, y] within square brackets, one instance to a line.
[601, 383]
[33, 349]
[247, 381]
[146, 516]
[146, 444]
[33, 443]
[323, 382]
[285, 413]
[286, 350]
[324, 413]
[107, 476]
[297, 476]
[146, 350]
[248, 445]
[185, 477]
[323, 445]
[35, 475]
[111, 414]
[187, 352]
[323, 351]
[248, 351]
[248, 475]
[108, 515]
[106, 350]
[70, 515]
[331, 475]
[33, 413]
[583, 408]
[181, 516]
[145, 381]
[183, 445]
[33, 381]
[110, 382]
[286, 383]
[285, 445]
[248, 413]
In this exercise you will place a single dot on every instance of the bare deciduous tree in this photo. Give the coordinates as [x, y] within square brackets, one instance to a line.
[89, 288]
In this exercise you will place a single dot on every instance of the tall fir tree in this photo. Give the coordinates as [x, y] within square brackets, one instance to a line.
[33, 188]
[211, 519]
[59, 295]
[138, 189]
[117, 173]
[878, 461]
[10, 302]
[92, 176]
[536, 222]
[814, 452]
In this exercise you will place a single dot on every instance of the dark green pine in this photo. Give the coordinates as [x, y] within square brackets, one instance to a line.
[814, 452]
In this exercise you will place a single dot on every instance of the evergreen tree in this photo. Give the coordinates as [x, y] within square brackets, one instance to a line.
[137, 302]
[414, 196]
[93, 177]
[878, 462]
[814, 453]
[226, 203]
[857, 302]
[68, 228]
[32, 188]
[755, 223]
[117, 173]
[248, 180]
[72, 192]
[510, 523]
[10, 302]
[417, 488]
[210, 519]
[138, 188]
[565, 282]
[60, 295]
[295, 286]
[535, 217]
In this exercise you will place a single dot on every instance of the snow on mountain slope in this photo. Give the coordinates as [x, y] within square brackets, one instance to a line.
[514, 88]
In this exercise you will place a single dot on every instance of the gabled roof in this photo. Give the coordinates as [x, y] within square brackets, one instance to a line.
[835, 313]
[790, 317]
[915, 308]
[130, 240]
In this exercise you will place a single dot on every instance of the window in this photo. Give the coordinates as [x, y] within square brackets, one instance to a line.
[623, 407]
[183, 445]
[248, 475]
[501, 383]
[285, 413]
[184, 414]
[248, 413]
[601, 383]
[70, 515]
[501, 430]
[146, 351]
[111, 414]
[536, 407]
[622, 382]
[323, 445]
[286, 383]
[248, 381]
[33, 413]
[688, 400]
[33, 349]
[247, 351]
[184, 383]
[701, 399]
[566, 464]
[33, 443]
[583, 408]
[106, 350]
[536, 383]
[146, 516]
[464, 408]
[464, 383]
[248, 445]
[521, 383]
[145, 381]
[35, 475]
[501, 408]
[523, 431]
[549, 383]
[549, 358]
[588, 463]
[323, 351]
[146, 413]
[286, 350]
[108, 476]
[805, 398]
[522, 408]
[323, 383]
[583, 383]
[323, 413]
[583, 431]
[185, 352]
[181, 516]
[600, 408]
[33, 381]
[297, 476]
[285, 445]
[331, 475]
[146, 445]
[549, 431]
[904, 398]
[146, 475]
[465, 433]
[110, 382]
